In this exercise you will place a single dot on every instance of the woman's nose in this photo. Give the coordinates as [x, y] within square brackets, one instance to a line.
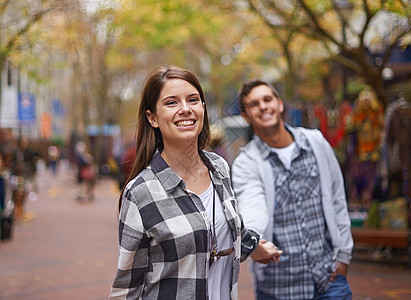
[184, 107]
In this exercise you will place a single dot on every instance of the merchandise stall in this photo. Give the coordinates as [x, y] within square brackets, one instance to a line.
[377, 172]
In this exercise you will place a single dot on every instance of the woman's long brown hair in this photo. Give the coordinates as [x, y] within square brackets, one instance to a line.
[148, 138]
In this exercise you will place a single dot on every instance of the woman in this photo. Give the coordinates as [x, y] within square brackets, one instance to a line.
[180, 236]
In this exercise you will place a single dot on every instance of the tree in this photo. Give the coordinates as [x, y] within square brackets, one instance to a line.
[18, 18]
[112, 48]
[191, 34]
[345, 39]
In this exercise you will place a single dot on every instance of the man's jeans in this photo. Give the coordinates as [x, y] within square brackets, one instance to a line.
[338, 290]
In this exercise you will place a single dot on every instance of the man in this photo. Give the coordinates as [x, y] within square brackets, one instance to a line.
[290, 190]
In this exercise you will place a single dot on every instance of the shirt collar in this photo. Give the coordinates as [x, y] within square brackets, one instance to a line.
[299, 138]
[171, 180]
[300, 141]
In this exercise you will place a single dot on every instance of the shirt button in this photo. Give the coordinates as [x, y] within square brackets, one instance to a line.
[303, 225]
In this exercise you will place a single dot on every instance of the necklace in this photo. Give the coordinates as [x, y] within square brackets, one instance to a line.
[214, 256]
[213, 247]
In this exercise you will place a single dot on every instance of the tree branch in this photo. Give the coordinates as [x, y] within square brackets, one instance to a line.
[367, 8]
[3, 7]
[288, 26]
[369, 16]
[37, 17]
[317, 26]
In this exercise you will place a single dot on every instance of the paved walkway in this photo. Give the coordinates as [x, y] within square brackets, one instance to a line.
[68, 250]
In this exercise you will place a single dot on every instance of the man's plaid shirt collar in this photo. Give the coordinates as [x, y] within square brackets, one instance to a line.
[300, 141]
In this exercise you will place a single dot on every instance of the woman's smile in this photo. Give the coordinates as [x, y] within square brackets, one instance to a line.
[185, 123]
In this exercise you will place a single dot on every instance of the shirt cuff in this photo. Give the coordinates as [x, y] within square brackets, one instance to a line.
[344, 257]
[249, 243]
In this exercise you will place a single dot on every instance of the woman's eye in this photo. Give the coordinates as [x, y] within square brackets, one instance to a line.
[170, 103]
[194, 100]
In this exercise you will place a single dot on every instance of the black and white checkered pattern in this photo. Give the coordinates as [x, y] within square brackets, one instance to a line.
[164, 234]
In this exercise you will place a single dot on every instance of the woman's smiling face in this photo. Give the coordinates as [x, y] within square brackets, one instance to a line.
[179, 113]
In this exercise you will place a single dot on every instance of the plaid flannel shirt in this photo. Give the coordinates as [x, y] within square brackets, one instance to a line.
[164, 234]
[299, 226]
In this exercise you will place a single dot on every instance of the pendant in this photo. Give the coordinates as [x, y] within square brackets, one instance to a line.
[213, 257]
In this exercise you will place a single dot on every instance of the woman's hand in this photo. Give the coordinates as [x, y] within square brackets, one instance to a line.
[266, 252]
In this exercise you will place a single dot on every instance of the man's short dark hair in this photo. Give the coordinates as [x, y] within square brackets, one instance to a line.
[248, 85]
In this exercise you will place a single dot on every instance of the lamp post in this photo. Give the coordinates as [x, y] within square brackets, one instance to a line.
[345, 8]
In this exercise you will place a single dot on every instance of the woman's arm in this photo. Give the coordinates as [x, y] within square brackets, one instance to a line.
[133, 253]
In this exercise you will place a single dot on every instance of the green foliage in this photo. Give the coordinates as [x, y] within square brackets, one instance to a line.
[373, 218]
[20, 32]
[57, 140]
[165, 23]
[320, 6]
[402, 8]
[355, 85]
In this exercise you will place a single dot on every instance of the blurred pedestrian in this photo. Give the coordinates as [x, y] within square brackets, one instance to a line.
[19, 178]
[32, 157]
[180, 235]
[290, 189]
[53, 158]
[126, 165]
[86, 175]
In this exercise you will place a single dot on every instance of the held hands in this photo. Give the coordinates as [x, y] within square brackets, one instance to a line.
[266, 252]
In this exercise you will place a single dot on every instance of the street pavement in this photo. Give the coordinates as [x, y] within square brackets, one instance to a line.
[67, 249]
